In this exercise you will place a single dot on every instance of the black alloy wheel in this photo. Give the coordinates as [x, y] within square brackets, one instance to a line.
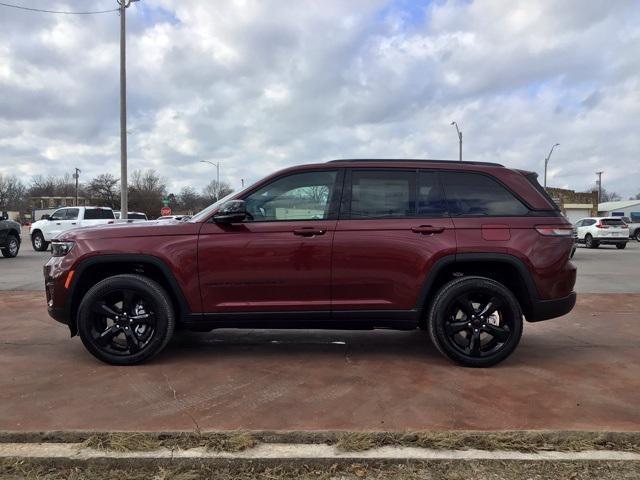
[475, 321]
[125, 319]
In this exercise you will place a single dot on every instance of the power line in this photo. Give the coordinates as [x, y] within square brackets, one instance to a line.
[19, 7]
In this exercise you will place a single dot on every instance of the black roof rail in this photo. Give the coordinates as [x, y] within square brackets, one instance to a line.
[465, 162]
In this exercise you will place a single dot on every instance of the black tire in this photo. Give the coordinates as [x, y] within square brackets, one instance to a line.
[589, 242]
[12, 248]
[621, 246]
[638, 235]
[483, 345]
[133, 332]
[37, 240]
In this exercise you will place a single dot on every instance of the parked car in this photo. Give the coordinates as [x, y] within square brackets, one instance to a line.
[9, 237]
[634, 228]
[596, 231]
[64, 219]
[461, 249]
[132, 216]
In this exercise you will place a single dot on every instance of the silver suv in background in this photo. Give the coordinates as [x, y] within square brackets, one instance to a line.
[596, 231]
[634, 228]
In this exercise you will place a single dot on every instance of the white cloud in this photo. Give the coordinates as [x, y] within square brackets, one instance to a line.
[260, 85]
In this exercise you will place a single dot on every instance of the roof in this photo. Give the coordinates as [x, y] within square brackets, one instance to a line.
[608, 206]
[411, 160]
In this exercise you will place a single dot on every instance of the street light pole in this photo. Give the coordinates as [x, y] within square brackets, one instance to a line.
[217, 165]
[546, 162]
[124, 194]
[459, 137]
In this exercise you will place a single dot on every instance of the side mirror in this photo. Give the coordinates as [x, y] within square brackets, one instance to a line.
[233, 211]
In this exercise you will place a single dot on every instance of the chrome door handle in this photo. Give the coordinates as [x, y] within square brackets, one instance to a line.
[427, 229]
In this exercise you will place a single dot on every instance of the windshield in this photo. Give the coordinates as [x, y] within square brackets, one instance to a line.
[205, 213]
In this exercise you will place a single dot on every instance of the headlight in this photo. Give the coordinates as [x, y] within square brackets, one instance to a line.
[60, 249]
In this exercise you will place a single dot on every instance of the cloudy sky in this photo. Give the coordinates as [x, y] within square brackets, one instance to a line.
[259, 85]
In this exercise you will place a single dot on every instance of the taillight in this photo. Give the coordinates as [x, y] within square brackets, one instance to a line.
[554, 230]
[601, 225]
[624, 225]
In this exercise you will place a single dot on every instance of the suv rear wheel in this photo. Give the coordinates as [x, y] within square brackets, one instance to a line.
[125, 319]
[475, 321]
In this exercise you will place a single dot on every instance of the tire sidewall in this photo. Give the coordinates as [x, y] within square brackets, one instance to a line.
[153, 292]
[441, 305]
[42, 242]
[588, 241]
[6, 252]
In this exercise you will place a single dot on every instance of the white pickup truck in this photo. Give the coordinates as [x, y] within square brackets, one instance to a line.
[64, 219]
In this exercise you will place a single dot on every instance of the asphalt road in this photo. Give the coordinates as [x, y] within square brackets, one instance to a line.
[602, 270]
[578, 372]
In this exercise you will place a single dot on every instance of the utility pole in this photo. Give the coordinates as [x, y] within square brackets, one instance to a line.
[599, 187]
[546, 162]
[459, 137]
[242, 182]
[124, 194]
[77, 176]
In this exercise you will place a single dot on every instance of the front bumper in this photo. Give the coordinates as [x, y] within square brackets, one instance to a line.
[548, 309]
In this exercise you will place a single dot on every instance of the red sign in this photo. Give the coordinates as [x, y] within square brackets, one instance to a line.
[165, 211]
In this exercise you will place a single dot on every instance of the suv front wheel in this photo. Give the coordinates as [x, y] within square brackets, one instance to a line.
[475, 321]
[125, 319]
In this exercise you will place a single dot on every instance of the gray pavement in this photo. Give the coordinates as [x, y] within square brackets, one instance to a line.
[602, 270]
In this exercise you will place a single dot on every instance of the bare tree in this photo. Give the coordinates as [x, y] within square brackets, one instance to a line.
[146, 190]
[103, 190]
[189, 200]
[214, 191]
[13, 193]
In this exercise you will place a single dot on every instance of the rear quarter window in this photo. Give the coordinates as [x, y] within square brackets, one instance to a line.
[475, 194]
[98, 214]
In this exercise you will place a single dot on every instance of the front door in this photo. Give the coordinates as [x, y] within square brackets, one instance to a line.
[279, 258]
[393, 227]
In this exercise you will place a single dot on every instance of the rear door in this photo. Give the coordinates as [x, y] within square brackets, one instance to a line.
[97, 216]
[392, 228]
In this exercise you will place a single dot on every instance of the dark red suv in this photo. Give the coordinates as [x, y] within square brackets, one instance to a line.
[461, 249]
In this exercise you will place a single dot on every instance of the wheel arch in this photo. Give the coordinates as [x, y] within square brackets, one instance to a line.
[504, 268]
[94, 269]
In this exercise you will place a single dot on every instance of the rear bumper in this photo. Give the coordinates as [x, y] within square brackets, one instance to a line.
[611, 241]
[548, 309]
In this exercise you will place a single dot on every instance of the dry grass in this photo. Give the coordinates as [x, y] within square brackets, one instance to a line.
[143, 442]
[515, 441]
[471, 470]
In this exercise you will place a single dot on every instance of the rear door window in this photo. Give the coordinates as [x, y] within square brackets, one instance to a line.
[383, 193]
[431, 202]
[474, 194]
[98, 214]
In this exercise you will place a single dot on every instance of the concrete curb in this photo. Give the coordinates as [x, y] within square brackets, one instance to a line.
[75, 453]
